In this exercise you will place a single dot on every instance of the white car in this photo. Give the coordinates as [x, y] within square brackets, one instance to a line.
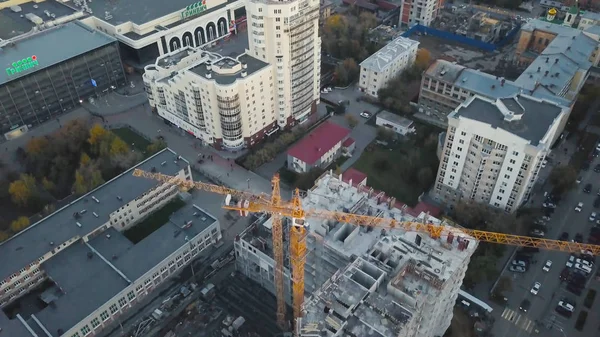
[536, 288]
[584, 268]
[544, 163]
[579, 207]
[593, 217]
[547, 266]
[566, 305]
[584, 262]
[365, 114]
[570, 261]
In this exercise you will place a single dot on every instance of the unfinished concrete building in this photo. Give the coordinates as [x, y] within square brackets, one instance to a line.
[410, 272]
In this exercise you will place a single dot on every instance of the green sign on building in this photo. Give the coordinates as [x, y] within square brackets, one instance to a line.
[194, 9]
[22, 65]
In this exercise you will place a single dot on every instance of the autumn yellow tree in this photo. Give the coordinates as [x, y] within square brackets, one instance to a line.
[85, 159]
[36, 146]
[97, 133]
[336, 24]
[48, 185]
[21, 191]
[86, 179]
[118, 146]
[3, 236]
[19, 224]
[423, 58]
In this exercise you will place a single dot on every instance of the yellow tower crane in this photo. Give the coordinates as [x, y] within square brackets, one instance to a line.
[261, 203]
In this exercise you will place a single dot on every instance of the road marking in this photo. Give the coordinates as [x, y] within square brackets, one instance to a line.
[518, 319]
[528, 325]
[521, 321]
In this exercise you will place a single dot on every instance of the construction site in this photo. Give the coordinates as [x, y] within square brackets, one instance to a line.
[482, 26]
[359, 280]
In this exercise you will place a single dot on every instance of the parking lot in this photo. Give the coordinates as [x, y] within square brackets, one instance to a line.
[534, 311]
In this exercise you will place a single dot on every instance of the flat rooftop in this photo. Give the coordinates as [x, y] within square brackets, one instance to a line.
[397, 119]
[51, 46]
[536, 116]
[143, 11]
[227, 70]
[385, 56]
[15, 23]
[91, 274]
[29, 245]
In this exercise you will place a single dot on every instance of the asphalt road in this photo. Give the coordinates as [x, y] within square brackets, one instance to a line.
[510, 321]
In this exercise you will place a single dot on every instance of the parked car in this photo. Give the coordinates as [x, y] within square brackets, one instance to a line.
[564, 274]
[578, 181]
[578, 238]
[365, 114]
[525, 304]
[570, 261]
[517, 269]
[536, 288]
[537, 232]
[597, 168]
[519, 263]
[592, 217]
[587, 188]
[579, 207]
[547, 266]
[583, 268]
[597, 202]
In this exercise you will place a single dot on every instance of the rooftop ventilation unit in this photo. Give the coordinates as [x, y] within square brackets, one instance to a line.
[95, 199]
[163, 163]
[83, 211]
[96, 215]
[119, 198]
[78, 224]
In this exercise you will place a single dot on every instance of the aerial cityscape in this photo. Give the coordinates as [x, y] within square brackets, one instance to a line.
[299, 168]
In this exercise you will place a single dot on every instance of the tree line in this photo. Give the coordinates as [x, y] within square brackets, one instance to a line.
[70, 162]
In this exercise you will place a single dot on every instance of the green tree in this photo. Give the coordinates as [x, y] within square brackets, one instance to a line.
[156, 146]
[85, 159]
[3, 236]
[37, 146]
[481, 268]
[19, 224]
[384, 134]
[562, 178]
[352, 121]
[23, 190]
[425, 177]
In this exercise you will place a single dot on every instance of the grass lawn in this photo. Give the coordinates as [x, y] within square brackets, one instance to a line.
[160, 217]
[403, 169]
[131, 137]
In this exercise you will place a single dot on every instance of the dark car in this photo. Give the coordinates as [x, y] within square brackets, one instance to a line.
[564, 236]
[597, 168]
[565, 274]
[597, 202]
[578, 238]
[585, 166]
[563, 312]
[574, 289]
[587, 188]
[525, 304]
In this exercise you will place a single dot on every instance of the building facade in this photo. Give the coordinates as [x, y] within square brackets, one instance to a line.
[82, 251]
[226, 102]
[395, 123]
[494, 149]
[378, 69]
[421, 12]
[286, 35]
[42, 81]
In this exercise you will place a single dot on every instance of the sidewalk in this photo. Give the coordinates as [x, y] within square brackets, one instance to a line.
[220, 170]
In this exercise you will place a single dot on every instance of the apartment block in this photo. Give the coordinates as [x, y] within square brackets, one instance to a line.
[92, 273]
[286, 35]
[421, 12]
[378, 69]
[494, 149]
[226, 102]
[557, 74]
[353, 274]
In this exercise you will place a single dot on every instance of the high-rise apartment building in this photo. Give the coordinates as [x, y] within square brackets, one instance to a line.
[419, 12]
[286, 35]
[348, 267]
[494, 149]
[226, 102]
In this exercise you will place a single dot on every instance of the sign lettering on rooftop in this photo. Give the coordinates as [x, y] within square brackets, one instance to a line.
[194, 9]
[22, 65]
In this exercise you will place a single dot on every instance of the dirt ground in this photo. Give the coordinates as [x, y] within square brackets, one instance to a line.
[462, 325]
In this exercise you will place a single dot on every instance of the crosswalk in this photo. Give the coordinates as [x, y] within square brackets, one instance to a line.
[518, 319]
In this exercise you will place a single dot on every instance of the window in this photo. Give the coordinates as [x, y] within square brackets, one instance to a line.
[85, 330]
[113, 308]
[76, 335]
[104, 315]
[122, 302]
[95, 323]
[131, 295]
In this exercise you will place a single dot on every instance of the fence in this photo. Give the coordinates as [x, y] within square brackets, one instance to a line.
[461, 39]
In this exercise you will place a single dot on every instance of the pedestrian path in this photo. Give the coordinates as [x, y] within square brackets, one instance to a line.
[518, 319]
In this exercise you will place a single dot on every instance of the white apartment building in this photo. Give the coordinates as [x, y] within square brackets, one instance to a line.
[378, 69]
[286, 35]
[494, 149]
[226, 102]
[346, 264]
[422, 12]
[82, 251]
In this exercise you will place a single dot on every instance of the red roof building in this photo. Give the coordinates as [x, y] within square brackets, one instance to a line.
[318, 149]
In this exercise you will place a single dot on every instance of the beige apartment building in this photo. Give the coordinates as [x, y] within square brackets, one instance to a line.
[494, 149]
